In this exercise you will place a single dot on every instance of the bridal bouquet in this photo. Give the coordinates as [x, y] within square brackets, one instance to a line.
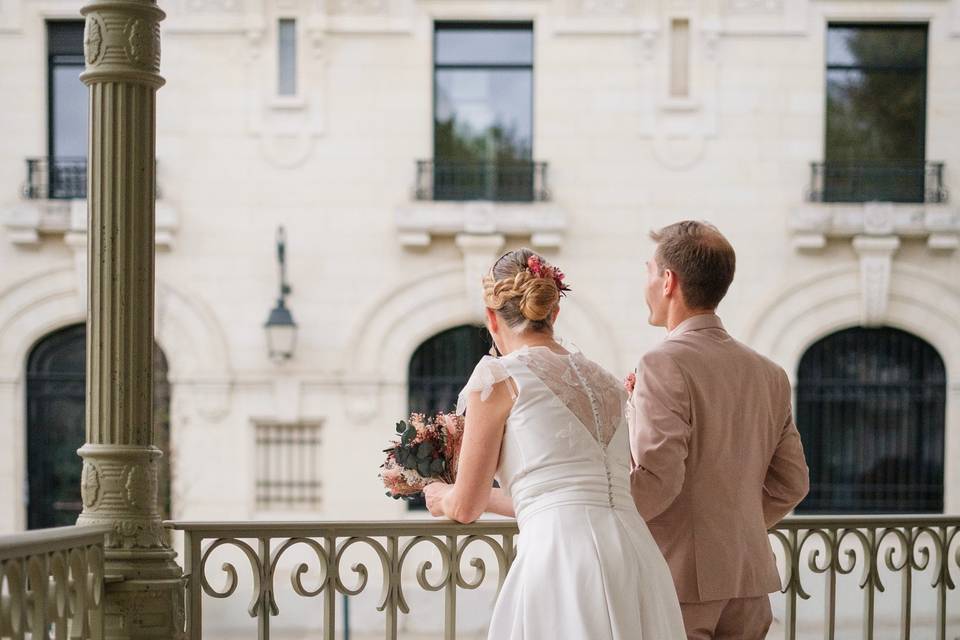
[423, 451]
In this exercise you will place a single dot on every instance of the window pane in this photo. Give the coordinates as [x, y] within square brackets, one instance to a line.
[484, 115]
[879, 45]
[65, 38]
[69, 104]
[875, 115]
[680, 58]
[484, 46]
[287, 57]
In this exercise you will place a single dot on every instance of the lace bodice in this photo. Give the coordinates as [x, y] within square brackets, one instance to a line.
[565, 437]
[587, 390]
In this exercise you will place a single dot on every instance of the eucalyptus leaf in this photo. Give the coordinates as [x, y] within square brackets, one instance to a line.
[425, 450]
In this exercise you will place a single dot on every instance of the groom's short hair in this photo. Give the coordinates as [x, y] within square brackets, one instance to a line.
[702, 259]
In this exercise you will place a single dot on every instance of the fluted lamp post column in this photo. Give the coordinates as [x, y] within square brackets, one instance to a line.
[119, 482]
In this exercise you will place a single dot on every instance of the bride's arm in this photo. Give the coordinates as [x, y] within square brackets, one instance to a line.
[500, 503]
[473, 492]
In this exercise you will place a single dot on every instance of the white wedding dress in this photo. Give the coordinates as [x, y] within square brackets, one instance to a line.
[587, 568]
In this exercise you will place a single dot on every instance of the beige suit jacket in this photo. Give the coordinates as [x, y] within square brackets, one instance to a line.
[717, 459]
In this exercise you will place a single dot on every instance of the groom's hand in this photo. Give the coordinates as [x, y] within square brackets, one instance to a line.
[630, 382]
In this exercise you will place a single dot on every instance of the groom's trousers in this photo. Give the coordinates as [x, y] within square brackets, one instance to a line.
[737, 619]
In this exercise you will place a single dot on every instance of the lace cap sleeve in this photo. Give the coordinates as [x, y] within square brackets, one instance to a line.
[488, 372]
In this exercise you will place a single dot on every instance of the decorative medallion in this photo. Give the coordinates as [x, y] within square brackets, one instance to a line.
[142, 43]
[90, 485]
[139, 486]
[93, 40]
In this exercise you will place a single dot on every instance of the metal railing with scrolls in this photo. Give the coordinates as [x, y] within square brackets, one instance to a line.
[876, 548]
[909, 181]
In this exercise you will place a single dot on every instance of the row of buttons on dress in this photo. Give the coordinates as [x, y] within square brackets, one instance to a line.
[596, 422]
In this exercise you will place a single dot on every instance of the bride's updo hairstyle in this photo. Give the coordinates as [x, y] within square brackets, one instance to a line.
[525, 290]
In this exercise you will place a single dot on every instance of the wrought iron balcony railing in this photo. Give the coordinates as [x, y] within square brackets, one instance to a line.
[56, 179]
[910, 181]
[505, 181]
[836, 560]
[52, 583]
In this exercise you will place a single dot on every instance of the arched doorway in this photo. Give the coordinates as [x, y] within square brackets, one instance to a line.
[56, 406]
[439, 369]
[871, 410]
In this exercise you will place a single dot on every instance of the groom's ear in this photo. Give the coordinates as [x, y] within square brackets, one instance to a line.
[670, 283]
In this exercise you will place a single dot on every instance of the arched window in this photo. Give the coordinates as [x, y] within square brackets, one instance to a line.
[439, 369]
[871, 411]
[56, 408]
[441, 366]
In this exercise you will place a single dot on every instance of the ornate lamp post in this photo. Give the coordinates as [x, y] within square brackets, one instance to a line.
[280, 327]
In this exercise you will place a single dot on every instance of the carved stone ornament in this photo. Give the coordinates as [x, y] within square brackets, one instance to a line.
[140, 485]
[115, 41]
[133, 534]
[754, 7]
[605, 7]
[141, 43]
[93, 40]
[876, 258]
[90, 485]
[361, 7]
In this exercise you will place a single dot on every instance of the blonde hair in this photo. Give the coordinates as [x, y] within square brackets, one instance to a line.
[525, 300]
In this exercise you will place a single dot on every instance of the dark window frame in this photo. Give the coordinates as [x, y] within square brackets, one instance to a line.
[870, 402]
[46, 386]
[418, 383]
[59, 55]
[467, 25]
[844, 180]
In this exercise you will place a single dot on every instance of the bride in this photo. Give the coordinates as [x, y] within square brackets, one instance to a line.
[550, 426]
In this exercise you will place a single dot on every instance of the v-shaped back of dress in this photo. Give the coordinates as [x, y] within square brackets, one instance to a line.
[565, 440]
[586, 564]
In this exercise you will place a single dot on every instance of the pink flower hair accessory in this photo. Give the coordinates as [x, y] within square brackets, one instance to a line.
[542, 269]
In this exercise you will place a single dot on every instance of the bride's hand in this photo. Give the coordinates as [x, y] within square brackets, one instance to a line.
[434, 494]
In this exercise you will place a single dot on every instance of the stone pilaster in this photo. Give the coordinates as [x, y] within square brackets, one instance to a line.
[119, 483]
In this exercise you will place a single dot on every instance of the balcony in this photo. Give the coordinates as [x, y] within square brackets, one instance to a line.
[56, 179]
[894, 200]
[481, 198]
[843, 576]
[510, 181]
[901, 182]
[54, 204]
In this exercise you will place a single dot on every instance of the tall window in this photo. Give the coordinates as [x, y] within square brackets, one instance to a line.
[56, 378]
[67, 111]
[287, 57]
[483, 111]
[440, 368]
[876, 113]
[871, 413]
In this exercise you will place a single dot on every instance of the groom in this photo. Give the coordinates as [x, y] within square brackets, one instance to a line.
[717, 458]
